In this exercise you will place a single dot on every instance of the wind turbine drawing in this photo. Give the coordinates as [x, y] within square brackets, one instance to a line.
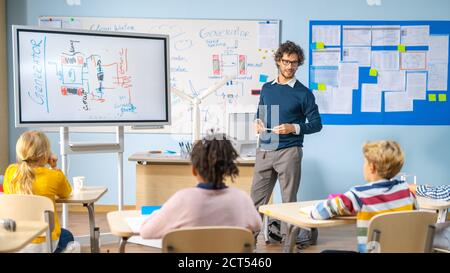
[195, 102]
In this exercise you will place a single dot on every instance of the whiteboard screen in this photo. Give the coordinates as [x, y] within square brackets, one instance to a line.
[83, 77]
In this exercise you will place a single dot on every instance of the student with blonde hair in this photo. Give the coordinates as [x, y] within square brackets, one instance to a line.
[30, 175]
[383, 160]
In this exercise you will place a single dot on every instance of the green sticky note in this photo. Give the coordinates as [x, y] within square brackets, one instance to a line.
[373, 72]
[442, 97]
[321, 87]
[401, 48]
[431, 97]
[320, 45]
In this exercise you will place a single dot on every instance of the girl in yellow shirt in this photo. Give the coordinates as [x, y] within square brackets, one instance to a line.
[30, 175]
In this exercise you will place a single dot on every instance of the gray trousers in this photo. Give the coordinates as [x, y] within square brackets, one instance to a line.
[284, 165]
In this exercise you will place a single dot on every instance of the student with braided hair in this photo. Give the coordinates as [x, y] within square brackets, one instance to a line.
[211, 202]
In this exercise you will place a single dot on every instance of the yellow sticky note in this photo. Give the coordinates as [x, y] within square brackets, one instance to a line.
[401, 48]
[442, 97]
[321, 87]
[320, 45]
[431, 97]
[373, 72]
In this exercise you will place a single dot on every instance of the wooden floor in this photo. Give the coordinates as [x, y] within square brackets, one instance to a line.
[339, 238]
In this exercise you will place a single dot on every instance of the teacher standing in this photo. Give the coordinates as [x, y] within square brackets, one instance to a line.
[284, 106]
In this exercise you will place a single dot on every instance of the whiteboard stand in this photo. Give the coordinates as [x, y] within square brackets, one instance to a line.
[88, 147]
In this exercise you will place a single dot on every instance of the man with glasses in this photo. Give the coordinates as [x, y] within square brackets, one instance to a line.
[284, 106]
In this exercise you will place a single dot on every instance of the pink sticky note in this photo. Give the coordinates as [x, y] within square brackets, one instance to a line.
[333, 195]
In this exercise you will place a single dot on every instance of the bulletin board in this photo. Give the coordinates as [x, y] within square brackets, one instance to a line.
[380, 72]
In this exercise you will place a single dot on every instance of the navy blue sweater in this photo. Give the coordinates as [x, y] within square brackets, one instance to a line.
[295, 106]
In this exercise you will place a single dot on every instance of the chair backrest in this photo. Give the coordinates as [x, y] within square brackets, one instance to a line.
[24, 207]
[404, 231]
[209, 239]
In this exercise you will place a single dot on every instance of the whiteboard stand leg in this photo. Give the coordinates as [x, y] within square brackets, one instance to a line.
[120, 140]
[195, 120]
[120, 180]
[63, 143]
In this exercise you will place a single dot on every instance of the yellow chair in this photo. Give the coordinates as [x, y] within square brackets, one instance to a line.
[23, 207]
[401, 232]
[209, 239]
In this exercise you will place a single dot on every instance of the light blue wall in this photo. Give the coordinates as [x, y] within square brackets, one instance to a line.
[332, 158]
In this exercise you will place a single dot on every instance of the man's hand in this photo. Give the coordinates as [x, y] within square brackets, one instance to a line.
[259, 126]
[284, 129]
[52, 161]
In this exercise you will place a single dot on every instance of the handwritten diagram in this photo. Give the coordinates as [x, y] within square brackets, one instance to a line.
[89, 78]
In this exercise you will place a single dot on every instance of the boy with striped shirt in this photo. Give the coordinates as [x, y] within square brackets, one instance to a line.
[382, 161]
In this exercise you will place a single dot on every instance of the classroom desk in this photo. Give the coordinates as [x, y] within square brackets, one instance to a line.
[25, 232]
[88, 196]
[158, 177]
[119, 226]
[432, 204]
[290, 214]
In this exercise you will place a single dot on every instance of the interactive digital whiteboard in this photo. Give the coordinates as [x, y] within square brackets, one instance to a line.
[69, 78]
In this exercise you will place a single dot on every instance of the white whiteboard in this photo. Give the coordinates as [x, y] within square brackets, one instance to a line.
[80, 77]
[203, 51]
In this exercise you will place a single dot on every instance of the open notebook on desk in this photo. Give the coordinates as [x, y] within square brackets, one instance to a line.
[307, 211]
[135, 224]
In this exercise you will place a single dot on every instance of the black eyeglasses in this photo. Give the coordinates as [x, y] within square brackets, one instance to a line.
[287, 62]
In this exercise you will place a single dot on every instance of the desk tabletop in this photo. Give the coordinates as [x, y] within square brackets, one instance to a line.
[428, 203]
[25, 232]
[86, 195]
[290, 213]
[175, 159]
[118, 224]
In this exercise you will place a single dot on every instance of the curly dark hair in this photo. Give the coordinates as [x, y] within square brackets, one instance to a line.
[214, 158]
[289, 48]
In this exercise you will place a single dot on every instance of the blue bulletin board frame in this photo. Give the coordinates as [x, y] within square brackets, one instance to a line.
[424, 112]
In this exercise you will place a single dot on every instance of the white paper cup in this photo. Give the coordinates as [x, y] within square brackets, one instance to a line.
[78, 183]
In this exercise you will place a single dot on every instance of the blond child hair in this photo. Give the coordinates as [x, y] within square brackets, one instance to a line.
[32, 150]
[386, 156]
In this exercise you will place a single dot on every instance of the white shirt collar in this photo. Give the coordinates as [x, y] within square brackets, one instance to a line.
[379, 181]
[291, 83]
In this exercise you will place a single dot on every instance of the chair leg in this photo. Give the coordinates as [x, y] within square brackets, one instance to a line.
[442, 215]
[430, 237]
[266, 228]
[291, 238]
[49, 218]
[122, 243]
[373, 246]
